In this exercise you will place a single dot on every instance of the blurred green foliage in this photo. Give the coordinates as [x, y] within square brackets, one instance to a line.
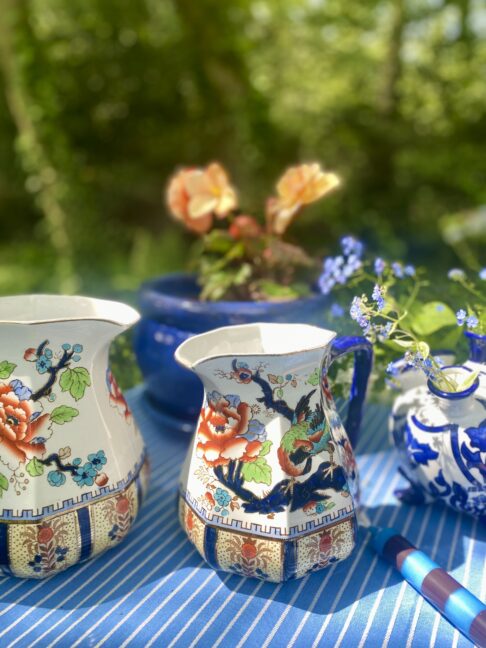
[101, 99]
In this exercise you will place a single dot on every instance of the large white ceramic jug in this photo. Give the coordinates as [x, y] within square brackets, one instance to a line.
[72, 461]
[269, 488]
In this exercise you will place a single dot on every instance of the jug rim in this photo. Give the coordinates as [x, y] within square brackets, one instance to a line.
[23, 309]
[191, 363]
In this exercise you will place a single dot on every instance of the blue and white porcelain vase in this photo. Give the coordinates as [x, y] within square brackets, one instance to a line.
[443, 445]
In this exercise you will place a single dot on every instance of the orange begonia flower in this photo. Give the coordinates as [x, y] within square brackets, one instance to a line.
[299, 186]
[194, 196]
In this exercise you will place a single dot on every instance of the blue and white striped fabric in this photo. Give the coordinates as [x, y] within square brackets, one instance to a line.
[154, 590]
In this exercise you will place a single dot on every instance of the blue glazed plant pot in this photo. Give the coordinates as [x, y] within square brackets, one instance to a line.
[172, 312]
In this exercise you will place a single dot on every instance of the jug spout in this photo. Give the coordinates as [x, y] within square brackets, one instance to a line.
[260, 339]
[47, 309]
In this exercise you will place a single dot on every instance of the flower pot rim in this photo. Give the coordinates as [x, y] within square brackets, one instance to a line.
[157, 287]
[453, 395]
[476, 336]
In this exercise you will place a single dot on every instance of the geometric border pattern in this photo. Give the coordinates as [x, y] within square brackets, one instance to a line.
[268, 530]
[7, 515]
[268, 558]
[39, 549]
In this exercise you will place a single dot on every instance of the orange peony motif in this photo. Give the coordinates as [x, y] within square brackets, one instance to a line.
[194, 196]
[17, 429]
[299, 186]
[220, 434]
[249, 550]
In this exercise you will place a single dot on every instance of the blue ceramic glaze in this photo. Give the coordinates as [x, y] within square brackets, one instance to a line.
[448, 395]
[363, 354]
[171, 312]
[477, 347]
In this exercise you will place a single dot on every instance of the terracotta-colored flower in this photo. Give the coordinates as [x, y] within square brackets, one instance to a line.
[44, 535]
[245, 226]
[189, 521]
[116, 397]
[299, 186]
[248, 550]
[101, 479]
[30, 354]
[348, 459]
[194, 196]
[209, 499]
[221, 431]
[242, 374]
[325, 542]
[122, 505]
[18, 427]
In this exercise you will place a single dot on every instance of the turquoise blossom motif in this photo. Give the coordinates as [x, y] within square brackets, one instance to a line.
[97, 460]
[223, 499]
[84, 475]
[43, 364]
[56, 478]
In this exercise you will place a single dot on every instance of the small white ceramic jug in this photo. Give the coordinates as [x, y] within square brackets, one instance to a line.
[269, 488]
[72, 461]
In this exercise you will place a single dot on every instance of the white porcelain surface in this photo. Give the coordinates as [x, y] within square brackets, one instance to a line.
[49, 432]
[249, 373]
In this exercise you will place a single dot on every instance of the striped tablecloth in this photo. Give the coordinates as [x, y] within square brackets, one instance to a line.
[154, 590]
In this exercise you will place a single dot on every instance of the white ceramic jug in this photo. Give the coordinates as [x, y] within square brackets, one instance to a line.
[269, 488]
[72, 462]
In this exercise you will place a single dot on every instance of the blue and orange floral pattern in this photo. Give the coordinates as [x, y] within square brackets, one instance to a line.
[28, 421]
[232, 442]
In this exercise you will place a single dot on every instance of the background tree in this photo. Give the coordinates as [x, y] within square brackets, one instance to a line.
[100, 99]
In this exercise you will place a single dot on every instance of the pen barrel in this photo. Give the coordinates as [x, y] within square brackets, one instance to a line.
[456, 603]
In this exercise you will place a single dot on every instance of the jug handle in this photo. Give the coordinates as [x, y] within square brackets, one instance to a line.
[363, 362]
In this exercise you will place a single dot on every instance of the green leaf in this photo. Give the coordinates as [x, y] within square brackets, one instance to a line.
[471, 378]
[424, 349]
[405, 344]
[265, 449]
[35, 468]
[66, 380]
[218, 241]
[257, 471]
[431, 317]
[280, 379]
[75, 381]
[3, 484]
[279, 392]
[6, 369]
[276, 292]
[63, 414]
[313, 379]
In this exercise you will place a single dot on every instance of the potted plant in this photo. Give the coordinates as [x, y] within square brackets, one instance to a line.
[244, 271]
